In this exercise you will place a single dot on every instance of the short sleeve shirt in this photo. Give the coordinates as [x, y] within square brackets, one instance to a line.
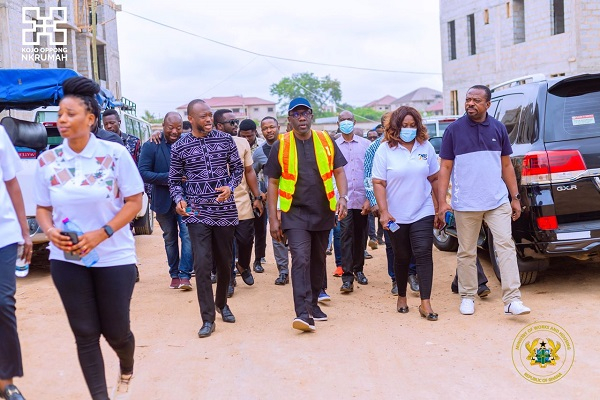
[89, 188]
[241, 192]
[476, 149]
[354, 152]
[408, 192]
[10, 164]
[310, 207]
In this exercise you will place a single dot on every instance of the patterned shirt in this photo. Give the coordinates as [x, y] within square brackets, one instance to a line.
[207, 163]
[89, 188]
[133, 145]
[369, 155]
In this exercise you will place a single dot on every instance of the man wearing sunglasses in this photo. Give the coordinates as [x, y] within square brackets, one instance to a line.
[301, 168]
[244, 232]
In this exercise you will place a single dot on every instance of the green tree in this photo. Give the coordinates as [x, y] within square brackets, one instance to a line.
[148, 116]
[320, 92]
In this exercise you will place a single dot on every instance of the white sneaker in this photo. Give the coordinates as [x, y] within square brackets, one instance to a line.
[122, 389]
[516, 308]
[467, 307]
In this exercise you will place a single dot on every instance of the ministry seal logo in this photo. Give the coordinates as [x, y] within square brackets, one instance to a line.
[543, 352]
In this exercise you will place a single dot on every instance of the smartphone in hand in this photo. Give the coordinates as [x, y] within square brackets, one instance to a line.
[69, 255]
[392, 226]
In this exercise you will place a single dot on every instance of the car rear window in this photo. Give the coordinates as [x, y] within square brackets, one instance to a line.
[573, 111]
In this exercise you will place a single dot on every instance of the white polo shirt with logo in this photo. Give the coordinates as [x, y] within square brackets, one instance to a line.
[408, 191]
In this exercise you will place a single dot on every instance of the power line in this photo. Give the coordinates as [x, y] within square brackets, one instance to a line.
[278, 57]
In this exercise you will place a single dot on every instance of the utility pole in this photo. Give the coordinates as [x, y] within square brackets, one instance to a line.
[94, 47]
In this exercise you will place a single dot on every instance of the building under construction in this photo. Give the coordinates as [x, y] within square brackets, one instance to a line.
[61, 34]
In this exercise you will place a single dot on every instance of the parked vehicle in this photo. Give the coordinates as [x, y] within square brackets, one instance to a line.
[436, 125]
[554, 128]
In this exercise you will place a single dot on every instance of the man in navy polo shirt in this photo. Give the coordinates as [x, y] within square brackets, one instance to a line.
[476, 149]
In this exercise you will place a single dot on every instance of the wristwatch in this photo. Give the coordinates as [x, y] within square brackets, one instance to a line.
[345, 197]
[517, 196]
[109, 231]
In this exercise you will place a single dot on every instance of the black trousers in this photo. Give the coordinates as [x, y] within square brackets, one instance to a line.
[97, 303]
[211, 243]
[353, 241]
[308, 266]
[11, 363]
[481, 278]
[417, 237]
[260, 233]
[244, 239]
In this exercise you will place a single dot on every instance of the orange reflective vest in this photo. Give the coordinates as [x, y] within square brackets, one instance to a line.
[288, 159]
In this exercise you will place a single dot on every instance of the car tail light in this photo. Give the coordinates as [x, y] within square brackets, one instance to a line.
[547, 223]
[551, 166]
[49, 124]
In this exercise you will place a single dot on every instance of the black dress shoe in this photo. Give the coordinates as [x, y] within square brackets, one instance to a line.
[361, 278]
[367, 256]
[226, 314]
[403, 310]
[258, 268]
[483, 291]
[246, 275]
[206, 330]
[282, 280]
[11, 392]
[429, 316]
[347, 287]
[230, 290]
[413, 283]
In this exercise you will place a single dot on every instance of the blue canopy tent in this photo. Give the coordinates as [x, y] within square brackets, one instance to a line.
[26, 89]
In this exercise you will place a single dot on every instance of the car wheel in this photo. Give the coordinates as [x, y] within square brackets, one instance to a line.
[443, 241]
[144, 225]
[528, 269]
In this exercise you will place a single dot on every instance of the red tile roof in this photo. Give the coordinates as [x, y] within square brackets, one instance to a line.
[384, 101]
[233, 101]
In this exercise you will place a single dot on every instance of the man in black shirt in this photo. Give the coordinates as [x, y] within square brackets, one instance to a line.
[309, 161]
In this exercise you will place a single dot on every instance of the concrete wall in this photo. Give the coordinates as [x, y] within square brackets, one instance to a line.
[78, 39]
[499, 59]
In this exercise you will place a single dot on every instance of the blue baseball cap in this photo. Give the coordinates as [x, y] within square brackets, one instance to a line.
[299, 101]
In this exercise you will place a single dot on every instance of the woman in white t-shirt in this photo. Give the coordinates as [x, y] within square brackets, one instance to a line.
[13, 231]
[95, 184]
[405, 170]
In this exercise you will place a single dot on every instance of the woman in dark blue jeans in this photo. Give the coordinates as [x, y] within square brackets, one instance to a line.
[13, 230]
[405, 170]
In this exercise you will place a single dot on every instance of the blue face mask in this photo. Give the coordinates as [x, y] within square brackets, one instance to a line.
[346, 127]
[408, 134]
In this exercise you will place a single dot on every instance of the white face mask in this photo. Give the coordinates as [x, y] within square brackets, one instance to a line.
[346, 127]
[408, 134]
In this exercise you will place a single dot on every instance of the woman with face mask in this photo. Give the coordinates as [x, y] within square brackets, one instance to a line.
[405, 171]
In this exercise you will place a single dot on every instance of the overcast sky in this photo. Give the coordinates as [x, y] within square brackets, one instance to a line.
[162, 68]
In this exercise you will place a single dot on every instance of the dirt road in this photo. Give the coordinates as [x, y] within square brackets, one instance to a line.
[366, 349]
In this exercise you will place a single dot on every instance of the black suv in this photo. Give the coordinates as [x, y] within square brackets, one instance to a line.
[554, 128]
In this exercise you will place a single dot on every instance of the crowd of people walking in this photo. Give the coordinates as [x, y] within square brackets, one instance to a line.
[217, 188]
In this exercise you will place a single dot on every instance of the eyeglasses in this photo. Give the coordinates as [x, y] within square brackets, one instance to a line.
[304, 114]
[231, 122]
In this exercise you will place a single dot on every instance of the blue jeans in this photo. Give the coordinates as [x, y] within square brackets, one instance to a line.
[335, 235]
[172, 226]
